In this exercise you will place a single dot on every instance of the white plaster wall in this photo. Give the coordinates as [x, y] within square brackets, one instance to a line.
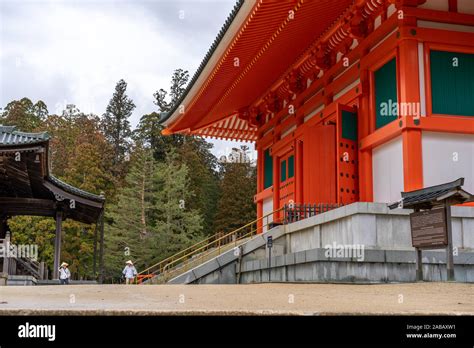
[387, 171]
[267, 208]
[447, 157]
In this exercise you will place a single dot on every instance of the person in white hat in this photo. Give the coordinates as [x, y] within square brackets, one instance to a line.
[129, 272]
[64, 274]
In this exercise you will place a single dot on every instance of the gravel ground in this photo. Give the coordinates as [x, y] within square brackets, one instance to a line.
[251, 299]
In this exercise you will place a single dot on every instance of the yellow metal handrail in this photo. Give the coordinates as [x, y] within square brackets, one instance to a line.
[217, 241]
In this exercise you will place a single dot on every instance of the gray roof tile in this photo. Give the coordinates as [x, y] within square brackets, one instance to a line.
[9, 136]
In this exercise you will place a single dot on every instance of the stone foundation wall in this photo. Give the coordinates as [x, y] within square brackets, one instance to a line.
[298, 252]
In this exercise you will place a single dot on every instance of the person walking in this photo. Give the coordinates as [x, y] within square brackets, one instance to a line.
[129, 272]
[64, 274]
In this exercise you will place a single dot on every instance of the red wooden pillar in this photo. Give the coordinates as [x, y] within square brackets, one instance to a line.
[365, 156]
[276, 187]
[409, 89]
[260, 179]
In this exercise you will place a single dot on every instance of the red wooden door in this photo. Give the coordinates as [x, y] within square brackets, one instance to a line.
[319, 164]
[347, 164]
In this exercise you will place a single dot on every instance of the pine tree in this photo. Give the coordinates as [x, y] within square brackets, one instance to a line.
[178, 82]
[150, 220]
[177, 225]
[115, 123]
[204, 180]
[149, 133]
[236, 207]
[128, 224]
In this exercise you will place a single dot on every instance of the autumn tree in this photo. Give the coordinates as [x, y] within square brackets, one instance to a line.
[80, 156]
[23, 114]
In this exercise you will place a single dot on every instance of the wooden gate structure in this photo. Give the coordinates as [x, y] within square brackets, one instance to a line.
[28, 188]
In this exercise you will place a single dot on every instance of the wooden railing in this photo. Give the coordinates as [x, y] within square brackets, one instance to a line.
[296, 212]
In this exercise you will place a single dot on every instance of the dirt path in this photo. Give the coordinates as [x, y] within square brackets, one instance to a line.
[296, 299]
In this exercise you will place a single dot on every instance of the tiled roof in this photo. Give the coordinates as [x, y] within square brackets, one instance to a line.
[165, 115]
[75, 191]
[9, 136]
[430, 195]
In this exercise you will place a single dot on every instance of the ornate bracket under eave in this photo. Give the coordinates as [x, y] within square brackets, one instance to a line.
[60, 195]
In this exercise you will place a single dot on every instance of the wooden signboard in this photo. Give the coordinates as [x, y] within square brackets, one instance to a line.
[429, 229]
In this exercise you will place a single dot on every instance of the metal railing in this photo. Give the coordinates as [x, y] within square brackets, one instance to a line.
[204, 250]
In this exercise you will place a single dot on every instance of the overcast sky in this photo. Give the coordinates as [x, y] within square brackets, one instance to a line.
[74, 52]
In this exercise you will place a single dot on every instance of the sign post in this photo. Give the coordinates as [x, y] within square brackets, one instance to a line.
[430, 229]
[449, 249]
[269, 246]
[430, 224]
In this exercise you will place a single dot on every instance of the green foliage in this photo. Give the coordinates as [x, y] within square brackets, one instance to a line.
[150, 220]
[236, 207]
[148, 133]
[34, 230]
[196, 154]
[115, 123]
[178, 82]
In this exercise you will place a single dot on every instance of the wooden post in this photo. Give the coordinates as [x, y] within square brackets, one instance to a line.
[3, 226]
[41, 270]
[57, 244]
[94, 267]
[101, 250]
[6, 246]
[449, 248]
[419, 260]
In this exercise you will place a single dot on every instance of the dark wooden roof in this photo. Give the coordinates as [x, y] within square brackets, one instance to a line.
[429, 197]
[28, 188]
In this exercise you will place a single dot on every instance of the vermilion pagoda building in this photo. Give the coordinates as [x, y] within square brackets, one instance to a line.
[346, 100]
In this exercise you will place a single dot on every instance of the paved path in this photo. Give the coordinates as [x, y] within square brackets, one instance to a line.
[296, 299]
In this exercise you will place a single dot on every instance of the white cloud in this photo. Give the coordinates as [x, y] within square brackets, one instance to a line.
[66, 52]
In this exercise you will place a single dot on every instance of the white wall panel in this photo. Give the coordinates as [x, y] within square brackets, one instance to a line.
[267, 208]
[447, 157]
[387, 171]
